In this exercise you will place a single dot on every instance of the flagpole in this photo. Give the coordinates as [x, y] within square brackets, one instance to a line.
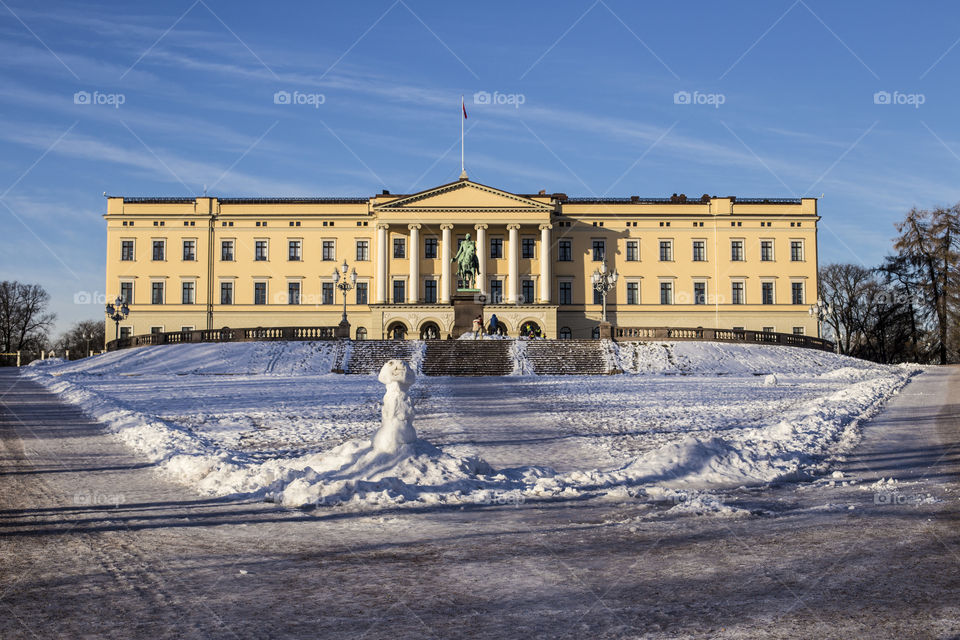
[463, 110]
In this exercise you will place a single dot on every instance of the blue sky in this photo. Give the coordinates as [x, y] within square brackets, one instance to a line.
[584, 100]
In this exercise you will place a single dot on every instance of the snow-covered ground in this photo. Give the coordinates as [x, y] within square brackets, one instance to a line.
[268, 419]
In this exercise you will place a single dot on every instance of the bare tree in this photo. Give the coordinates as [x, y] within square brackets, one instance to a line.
[24, 320]
[928, 242]
[81, 337]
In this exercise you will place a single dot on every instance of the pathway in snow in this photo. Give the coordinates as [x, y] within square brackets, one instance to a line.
[508, 424]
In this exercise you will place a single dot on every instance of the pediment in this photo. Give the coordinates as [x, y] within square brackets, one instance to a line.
[464, 195]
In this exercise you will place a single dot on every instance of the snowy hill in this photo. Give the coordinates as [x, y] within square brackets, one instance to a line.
[317, 358]
[268, 419]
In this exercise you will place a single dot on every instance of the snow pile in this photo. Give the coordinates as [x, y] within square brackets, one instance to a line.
[522, 366]
[395, 467]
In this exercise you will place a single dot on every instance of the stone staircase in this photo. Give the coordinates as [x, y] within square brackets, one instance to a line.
[567, 357]
[468, 358]
[368, 356]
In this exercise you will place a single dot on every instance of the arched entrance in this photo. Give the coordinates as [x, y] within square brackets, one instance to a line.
[397, 331]
[530, 329]
[429, 331]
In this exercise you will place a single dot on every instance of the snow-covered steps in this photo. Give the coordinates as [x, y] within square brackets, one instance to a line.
[367, 356]
[468, 358]
[563, 357]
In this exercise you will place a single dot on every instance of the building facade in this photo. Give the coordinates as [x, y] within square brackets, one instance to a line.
[208, 263]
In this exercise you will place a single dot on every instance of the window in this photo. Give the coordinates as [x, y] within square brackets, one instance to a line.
[599, 250]
[526, 290]
[496, 248]
[361, 331]
[736, 293]
[699, 293]
[226, 293]
[595, 333]
[564, 333]
[326, 293]
[564, 250]
[430, 248]
[796, 250]
[766, 250]
[363, 250]
[666, 251]
[736, 250]
[156, 293]
[666, 293]
[293, 293]
[496, 291]
[798, 331]
[768, 330]
[699, 251]
[766, 291]
[260, 250]
[126, 250]
[188, 293]
[362, 293]
[796, 293]
[399, 292]
[126, 292]
[126, 332]
[156, 330]
[293, 250]
[597, 296]
[633, 293]
[226, 250]
[159, 249]
[259, 293]
[633, 251]
[189, 250]
[399, 247]
[430, 291]
[527, 248]
[566, 292]
[329, 250]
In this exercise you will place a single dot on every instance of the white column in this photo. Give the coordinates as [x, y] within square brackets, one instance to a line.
[445, 241]
[413, 288]
[513, 263]
[381, 297]
[482, 283]
[546, 259]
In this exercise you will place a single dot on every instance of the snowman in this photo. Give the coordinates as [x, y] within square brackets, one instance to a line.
[396, 423]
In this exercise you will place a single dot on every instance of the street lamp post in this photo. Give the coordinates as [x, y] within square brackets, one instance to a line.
[117, 311]
[345, 283]
[86, 343]
[822, 310]
[604, 281]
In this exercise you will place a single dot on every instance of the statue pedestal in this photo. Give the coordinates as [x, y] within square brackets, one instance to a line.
[342, 330]
[467, 305]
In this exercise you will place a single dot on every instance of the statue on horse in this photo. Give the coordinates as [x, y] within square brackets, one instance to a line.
[468, 266]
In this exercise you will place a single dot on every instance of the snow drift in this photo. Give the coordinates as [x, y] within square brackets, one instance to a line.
[791, 444]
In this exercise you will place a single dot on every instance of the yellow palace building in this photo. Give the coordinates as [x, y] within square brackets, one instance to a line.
[712, 262]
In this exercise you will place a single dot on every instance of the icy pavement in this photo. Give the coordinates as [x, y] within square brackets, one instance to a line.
[694, 416]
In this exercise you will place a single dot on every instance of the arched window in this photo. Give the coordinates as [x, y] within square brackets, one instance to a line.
[595, 334]
[565, 333]
[361, 333]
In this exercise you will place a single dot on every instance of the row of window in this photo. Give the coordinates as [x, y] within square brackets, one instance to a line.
[527, 289]
[527, 250]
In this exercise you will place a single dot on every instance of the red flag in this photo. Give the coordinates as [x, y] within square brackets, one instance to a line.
[462, 104]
